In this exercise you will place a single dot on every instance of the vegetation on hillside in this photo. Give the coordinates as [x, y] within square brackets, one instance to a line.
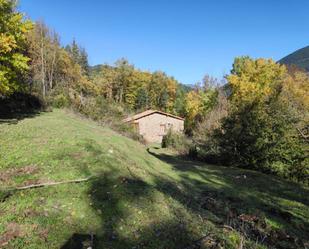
[259, 120]
[136, 199]
[299, 58]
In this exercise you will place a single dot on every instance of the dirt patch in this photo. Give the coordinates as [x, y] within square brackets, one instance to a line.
[77, 155]
[13, 230]
[6, 176]
[30, 213]
[43, 234]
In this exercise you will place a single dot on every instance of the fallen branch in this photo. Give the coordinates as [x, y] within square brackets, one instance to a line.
[302, 134]
[51, 183]
[228, 227]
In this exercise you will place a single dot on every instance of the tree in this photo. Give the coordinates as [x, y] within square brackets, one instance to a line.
[200, 101]
[13, 62]
[141, 99]
[124, 73]
[162, 91]
[84, 60]
[79, 55]
[54, 72]
[43, 50]
[253, 80]
[179, 106]
[260, 131]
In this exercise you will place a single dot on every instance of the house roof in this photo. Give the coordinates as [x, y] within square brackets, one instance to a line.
[149, 112]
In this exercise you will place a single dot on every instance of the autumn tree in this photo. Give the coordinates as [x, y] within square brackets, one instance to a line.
[200, 101]
[162, 91]
[55, 74]
[13, 37]
[260, 131]
[136, 89]
[44, 51]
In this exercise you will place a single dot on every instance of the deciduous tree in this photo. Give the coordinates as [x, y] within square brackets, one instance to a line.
[13, 37]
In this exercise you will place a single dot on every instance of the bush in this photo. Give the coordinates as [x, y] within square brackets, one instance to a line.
[107, 113]
[60, 101]
[263, 136]
[177, 141]
[206, 147]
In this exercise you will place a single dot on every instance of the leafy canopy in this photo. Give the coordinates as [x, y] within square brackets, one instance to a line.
[253, 80]
[13, 62]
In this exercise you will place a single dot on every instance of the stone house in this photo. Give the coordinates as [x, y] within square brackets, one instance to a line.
[153, 124]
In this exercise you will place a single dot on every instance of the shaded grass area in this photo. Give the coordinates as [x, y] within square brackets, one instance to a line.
[137, 198]
[19, 106]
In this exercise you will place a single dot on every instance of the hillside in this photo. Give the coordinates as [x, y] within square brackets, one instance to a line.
[300, 58]
[136, 198]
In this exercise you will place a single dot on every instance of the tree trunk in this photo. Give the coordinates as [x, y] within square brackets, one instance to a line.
[43, 65]
[52, 68]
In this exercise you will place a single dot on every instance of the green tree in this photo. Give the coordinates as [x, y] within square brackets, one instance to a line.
[141, 99]
[260, 131]
[79, 55]
[13, 34]
[179, 106]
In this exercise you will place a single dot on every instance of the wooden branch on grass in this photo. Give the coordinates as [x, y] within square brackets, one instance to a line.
[52, 183]
[302, 134]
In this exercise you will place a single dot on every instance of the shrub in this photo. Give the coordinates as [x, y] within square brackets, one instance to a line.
[60, 101]
[205, 146]
[177, 141]
[107, 113]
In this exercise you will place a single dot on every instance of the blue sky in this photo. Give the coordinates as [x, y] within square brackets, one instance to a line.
[185, 38]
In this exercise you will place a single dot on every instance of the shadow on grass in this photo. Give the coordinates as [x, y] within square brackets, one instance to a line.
[220, 197]
[231, 192]
[80, 241]
[19, 106]
[113, 196]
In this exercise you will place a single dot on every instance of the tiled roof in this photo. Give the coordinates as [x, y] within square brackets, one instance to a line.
[147, 113]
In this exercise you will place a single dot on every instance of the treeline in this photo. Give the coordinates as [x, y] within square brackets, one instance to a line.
[37, 63]
[61, 76]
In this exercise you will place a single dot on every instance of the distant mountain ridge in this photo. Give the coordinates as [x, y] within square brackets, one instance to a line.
[299, 58]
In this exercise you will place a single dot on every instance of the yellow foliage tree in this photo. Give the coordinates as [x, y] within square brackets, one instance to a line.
[253, 80]
[13, 62]
[192, 106]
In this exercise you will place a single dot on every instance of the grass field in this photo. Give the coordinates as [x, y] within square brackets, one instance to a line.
[137, 197]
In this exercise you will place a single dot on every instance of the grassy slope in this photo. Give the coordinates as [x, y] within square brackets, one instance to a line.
[138, 199]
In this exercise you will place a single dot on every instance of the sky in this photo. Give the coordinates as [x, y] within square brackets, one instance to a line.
[184, 38]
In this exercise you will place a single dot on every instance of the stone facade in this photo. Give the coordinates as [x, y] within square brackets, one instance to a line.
[153, 125]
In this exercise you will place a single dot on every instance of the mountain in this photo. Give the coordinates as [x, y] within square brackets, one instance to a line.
[299, 58]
